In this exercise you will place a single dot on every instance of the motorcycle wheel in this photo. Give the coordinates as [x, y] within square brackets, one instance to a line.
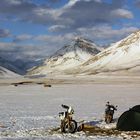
[108, 119]
[70, 127]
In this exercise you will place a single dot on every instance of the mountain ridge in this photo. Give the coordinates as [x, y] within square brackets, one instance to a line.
[122, 55]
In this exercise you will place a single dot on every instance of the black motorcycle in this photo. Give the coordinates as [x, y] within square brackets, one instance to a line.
[109, 112]
[68, 125]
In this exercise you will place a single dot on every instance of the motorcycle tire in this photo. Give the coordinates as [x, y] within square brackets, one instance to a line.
[108, 119]
[71, 127]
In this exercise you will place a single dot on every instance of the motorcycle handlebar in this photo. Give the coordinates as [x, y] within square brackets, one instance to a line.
[65, 106]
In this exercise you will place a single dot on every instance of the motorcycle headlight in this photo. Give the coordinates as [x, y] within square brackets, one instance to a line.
[71, 110]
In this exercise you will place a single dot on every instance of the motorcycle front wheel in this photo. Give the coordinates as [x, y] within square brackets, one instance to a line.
[70, 127]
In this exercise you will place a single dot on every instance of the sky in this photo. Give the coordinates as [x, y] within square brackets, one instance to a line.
[34, 29]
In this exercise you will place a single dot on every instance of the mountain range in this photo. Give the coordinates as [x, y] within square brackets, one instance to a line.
[83, 57]
[122, 56]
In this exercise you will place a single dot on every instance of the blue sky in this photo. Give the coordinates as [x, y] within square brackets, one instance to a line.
[37, 28]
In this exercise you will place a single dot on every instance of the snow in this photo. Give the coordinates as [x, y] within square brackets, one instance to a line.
[84, 57]
[12, 66]
[4, 73]
[70, 56]
[31, 111]
[122, 55]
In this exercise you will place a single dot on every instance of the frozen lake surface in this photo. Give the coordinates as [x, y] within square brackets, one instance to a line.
[31, 111]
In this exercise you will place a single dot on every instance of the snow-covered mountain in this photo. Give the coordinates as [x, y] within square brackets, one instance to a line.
[4, 73]
[82, 57]
[68, 57]
[12, 66]
[19, 66]
[8, 69]
[123, 56]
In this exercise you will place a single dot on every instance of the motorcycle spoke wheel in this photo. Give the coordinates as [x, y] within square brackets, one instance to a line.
[71, 127]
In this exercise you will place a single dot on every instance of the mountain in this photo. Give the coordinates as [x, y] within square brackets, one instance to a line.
[19, 66]
[68, 57]
[6, 73]
[122, 56]
[84, 58]
[12, 66]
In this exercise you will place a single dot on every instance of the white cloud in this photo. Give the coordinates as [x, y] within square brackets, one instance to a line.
[106, 33]
[22, 37]
[92, 19]
[50, 43]
[5, 46]
[55, 41]
[122, 13]
[55, 28]
[14, 51]
[75, 14]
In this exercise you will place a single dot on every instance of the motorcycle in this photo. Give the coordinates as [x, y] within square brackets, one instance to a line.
[68, 125]
[109, 112]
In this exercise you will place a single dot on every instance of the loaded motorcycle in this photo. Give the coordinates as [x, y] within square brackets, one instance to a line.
[109, 112]
[68, 125]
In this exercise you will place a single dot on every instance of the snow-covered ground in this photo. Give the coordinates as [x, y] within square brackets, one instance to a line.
[31, 111]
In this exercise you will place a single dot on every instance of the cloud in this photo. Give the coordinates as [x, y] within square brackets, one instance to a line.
[4, 33]
[6, 46]
[100, 1]
[56, 28]
[99, 34]
[92, 19]
[75, 14]
[54, 1]
[122, 13]
[15, 51]
[48, 44]
[56, 41]
[106, 34]
[88, 13]
[17, 7]
[23, 37]
[137, 3]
